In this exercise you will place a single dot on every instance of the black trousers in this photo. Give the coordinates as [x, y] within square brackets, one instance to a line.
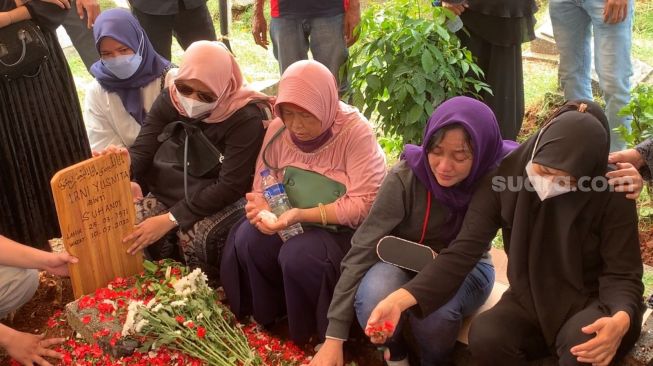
[503, 70]
[189, 25]
[508, 335]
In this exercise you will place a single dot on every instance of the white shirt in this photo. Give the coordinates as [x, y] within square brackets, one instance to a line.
[107, 121]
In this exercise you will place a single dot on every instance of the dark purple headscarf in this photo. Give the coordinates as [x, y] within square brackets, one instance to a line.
[488, 150]
[121, 25]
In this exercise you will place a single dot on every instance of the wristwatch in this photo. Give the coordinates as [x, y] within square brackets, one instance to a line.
[172, 219]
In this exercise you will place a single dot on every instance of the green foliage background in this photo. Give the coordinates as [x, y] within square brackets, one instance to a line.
[406, 63]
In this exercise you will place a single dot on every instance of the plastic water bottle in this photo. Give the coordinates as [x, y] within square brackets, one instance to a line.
[455, 24]
[275, 194]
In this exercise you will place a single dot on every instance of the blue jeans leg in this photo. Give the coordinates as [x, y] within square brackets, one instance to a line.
[381, 280]
[292, 38]
[436, 334]
[289, 41]
[573, 22]
[327, 42]
[612, 48]
[572, 31]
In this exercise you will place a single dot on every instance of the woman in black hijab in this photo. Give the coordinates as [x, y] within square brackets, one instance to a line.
[494, 32]
[574, 263]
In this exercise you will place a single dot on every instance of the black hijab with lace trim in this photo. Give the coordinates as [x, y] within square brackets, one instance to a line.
[557, 257]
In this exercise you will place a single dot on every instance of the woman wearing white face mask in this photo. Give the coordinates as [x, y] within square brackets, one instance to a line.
[129, 76]
[223, 120]
[574, 264]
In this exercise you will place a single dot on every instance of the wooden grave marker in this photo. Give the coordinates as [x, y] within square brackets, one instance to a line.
[95, 210]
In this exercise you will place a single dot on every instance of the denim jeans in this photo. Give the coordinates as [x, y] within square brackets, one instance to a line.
[292, 38]
[573, 22]
[437, 332]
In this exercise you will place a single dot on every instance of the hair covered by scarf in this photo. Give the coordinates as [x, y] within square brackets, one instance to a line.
[488, 148]
[213, 65]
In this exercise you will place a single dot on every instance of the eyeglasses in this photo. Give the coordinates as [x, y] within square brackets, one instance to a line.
[186, 90]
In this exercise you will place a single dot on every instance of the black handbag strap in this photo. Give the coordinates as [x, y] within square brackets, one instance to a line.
[22, 35]
[265, 149]
[27, 33]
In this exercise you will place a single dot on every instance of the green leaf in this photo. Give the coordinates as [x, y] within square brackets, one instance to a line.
[414, 114]
[419, 83]
[149, 266]
[465, 66]
[373, 81]
[427, 62]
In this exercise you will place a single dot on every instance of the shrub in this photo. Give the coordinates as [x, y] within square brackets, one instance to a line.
[406, 63]
[641, 108]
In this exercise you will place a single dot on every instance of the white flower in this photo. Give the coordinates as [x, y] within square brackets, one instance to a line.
[178, 332]
[200, 316]
[150, 303]
[183, 286]
[189, 284]
[178, 303]
[157, 307]
[140, 325]
[168, 272]
[132, 310]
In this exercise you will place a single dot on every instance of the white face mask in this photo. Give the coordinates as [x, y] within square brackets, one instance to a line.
[194, 108]
[545, 186]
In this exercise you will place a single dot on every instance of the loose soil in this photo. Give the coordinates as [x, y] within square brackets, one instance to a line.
[646, 241]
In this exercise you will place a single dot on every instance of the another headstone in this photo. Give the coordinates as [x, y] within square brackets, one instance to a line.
[544, 43]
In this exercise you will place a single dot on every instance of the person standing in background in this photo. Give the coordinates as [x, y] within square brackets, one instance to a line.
[611, 23]
[188, 20]
[80, 30]
[496, 30]
[41, 129]
[326, 27]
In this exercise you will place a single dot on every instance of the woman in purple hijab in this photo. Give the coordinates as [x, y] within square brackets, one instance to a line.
[423, 199]
[129, 76]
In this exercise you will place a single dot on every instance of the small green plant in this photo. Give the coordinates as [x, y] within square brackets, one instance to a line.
[641, 109]
[392, 146]
[406, 63]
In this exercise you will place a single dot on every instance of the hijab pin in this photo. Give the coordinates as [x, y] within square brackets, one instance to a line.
[582, 108]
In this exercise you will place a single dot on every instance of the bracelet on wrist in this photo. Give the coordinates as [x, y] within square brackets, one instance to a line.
[323, 215]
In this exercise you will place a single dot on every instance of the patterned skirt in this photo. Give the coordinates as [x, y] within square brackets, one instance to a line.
[202, 245]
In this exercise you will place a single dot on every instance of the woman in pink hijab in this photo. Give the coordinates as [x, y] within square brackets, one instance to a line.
[209, 102]
[314, 135]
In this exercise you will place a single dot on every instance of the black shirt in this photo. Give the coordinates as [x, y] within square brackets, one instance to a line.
[239, 140]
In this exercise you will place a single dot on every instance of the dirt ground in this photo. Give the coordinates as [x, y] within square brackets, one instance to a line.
[646, 245]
